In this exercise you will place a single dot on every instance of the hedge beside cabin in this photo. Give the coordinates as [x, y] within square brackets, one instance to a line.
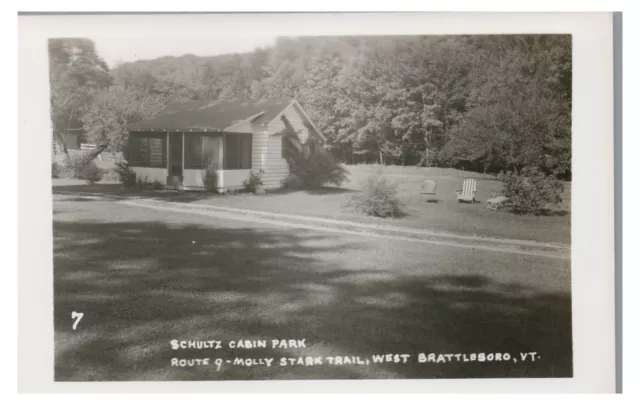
[174, 147]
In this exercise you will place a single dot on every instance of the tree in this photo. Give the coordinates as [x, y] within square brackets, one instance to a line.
[76, 74]
[115, 107]
[496, 102]
[519, 110]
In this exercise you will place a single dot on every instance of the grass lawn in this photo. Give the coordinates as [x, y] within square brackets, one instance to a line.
[447, 215]
[144, 277]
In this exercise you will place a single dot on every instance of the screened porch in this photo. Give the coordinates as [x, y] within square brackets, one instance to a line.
[179, 158]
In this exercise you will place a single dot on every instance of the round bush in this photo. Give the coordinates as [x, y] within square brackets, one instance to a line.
[253, 181]
[126, 175]
[92, 173]
[531, 191]
[210, 176]
[55, 170]
[379, 198]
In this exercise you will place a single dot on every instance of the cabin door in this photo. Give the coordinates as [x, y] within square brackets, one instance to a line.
[175, 155]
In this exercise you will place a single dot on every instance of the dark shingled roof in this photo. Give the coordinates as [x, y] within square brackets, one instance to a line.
[210, 115]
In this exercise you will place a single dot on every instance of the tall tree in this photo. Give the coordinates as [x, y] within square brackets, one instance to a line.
[497, 101]
[76, 74]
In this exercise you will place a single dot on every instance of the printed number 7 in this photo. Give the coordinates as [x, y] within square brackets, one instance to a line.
[77, 316]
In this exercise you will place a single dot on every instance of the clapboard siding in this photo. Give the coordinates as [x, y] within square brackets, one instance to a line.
[267, 145]
[259, 148]
[276, 168]
[296, 120]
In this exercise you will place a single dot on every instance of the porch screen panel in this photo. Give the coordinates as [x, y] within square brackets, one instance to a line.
[247, 144]
[198, 149]
[237, 151]
[211, 149]
[136, 150]
[192, 151]
[157, 151]
[147, 149]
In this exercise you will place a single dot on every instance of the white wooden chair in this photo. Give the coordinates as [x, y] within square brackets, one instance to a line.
[428, 188]
[468, 191]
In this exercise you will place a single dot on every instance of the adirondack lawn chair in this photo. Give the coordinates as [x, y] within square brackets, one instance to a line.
[468, 191]
[428, 188]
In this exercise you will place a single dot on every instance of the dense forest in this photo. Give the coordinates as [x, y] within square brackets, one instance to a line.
[487, 103]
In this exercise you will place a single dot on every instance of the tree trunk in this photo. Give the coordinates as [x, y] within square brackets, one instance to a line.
[98, 150]
[56, 134]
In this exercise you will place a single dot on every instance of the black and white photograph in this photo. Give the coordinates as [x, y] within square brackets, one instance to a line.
[311, 207]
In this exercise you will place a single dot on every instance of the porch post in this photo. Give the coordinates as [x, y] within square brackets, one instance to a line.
[167, 163]
[223, 139]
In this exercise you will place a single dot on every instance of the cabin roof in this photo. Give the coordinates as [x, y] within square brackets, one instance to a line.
[210, 115]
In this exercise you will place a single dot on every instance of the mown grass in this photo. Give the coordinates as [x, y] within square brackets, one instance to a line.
[444, 215]
[144, 277]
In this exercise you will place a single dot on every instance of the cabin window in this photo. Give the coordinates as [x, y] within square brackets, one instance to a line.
[199, 149]
[237, 151]
[148, 150]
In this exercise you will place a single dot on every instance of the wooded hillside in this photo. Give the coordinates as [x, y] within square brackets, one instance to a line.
[486, 102]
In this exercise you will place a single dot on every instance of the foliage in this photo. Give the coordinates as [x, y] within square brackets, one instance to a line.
[110, 175]
[126, 175]
[431, 158]
[142, 183]
[316, 168]
[531, 191]
[379, 197]
[498, 102]
[55, 170]
[519, 106]
[292, 181]
[253, 181]
[92, 173]
[210, 176]
[77, 164]
[76, 74]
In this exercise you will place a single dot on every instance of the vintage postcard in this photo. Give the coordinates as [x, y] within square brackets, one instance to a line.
[318, 204]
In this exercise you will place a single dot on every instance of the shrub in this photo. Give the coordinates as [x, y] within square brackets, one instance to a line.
[316, 169]
[78, 163]
[110, 175]
[92, 173]
[253, 182]
[531, 191]
[126, 175]
[55, 170]
[429, 158]
[142, 183]
[379, 197]
[156, 185]
[210, 175]
[292, 181]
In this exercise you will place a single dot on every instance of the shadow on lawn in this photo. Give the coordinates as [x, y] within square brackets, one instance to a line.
[116, 190]
[141, 285]
[550, 212]
[312, 191]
